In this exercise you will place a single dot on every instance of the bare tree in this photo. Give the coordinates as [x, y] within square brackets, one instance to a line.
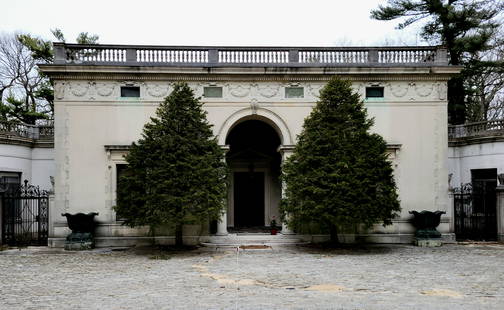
[20, 83]
[10, 61]
[485, 83]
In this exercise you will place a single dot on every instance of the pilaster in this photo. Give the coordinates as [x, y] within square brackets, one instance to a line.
[285, 152]
[222, 224]
[500, 212]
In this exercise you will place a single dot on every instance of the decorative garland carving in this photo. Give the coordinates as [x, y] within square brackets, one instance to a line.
[315, 89]
[157, 90]
[268, 91]
[59, 89]
[400, 89]
[424, 89]
[79, 89]
[442, 90]
[105, 89]
[240, 90]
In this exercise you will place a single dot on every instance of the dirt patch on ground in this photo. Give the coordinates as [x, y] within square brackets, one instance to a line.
[326, 288]
[442, 292]
[254, 247]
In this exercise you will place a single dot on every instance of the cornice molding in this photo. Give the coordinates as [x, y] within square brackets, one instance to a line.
[266, 78]
[249, 74]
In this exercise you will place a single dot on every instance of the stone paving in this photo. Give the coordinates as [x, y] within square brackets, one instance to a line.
[467, 276]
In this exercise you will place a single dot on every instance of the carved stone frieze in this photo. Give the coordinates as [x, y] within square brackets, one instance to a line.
[268, 90]
[105, 89]
[244, 91]
[424, 89]
[399, 89]
[442, 90]
[79, 89]
[315, 89]
[59, 89]
[239, 90]
[157, 90]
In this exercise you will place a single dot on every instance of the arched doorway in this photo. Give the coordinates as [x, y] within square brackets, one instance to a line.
[254, 161]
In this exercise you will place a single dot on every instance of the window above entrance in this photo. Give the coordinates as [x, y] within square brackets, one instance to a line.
[375, 92]
[212, 92]
[294, 92]
[130, 91]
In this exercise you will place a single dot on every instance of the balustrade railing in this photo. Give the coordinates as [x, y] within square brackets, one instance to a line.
[264, 56]
[35, 132]
[485, 128]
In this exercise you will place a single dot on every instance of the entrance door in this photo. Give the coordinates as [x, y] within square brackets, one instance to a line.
[25, 216]
[249, 199]
[484, 182]
[475, 207]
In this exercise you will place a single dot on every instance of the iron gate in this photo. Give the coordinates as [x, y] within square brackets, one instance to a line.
[25, 215]
[475, 212]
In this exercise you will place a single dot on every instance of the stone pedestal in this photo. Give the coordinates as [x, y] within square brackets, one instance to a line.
[286, 230]
[427, 243]
[79, 242]
[500, 212]
[222, 225]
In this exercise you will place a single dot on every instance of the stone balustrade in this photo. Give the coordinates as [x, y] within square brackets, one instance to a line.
[134, 55]
[477, 129]
[21, 130]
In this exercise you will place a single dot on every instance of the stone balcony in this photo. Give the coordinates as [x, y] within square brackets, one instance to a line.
[41, 135]
[477, 132]
[205, 56]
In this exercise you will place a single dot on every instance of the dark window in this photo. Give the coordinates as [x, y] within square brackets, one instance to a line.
[212, 92]
[374, 92]
[9, 180]
[130, 91]
[294, 92]
[120, 169]
[484, 182]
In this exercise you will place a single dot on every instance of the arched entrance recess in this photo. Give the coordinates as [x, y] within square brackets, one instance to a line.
[267, 116]
[253, 158]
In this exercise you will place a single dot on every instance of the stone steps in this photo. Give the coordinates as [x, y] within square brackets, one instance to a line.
[252, 239]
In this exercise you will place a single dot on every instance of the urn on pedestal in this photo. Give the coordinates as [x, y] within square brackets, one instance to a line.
[82, 226]
[426, 223]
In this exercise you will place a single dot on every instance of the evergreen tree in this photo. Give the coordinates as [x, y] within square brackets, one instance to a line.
[339, 175]
[175, 174]
[465, 27]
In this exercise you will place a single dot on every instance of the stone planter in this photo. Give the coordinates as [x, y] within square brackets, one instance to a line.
[82, 226]
[426, 223]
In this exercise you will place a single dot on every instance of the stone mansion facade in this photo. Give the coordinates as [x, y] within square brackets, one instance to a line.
[256, 99]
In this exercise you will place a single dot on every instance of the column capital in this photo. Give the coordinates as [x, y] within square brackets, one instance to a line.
[225, 148]
[285, 149]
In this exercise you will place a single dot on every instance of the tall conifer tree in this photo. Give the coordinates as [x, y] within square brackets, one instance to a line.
[465, 27]
[338, 174]
[176, 174]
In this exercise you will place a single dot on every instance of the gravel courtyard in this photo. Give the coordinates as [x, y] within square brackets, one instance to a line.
[469, 276]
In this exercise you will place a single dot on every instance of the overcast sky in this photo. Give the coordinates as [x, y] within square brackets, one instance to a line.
[210, 22]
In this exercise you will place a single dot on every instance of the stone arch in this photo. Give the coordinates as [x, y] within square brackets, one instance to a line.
[261, 114]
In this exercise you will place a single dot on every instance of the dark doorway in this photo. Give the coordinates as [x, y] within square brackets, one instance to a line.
[255, 162]
[249, 199]
[475, 207]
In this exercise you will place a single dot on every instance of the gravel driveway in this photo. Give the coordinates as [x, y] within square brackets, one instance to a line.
[469, 276]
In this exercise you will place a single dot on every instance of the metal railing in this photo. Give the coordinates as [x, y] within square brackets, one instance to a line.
[485, 128]
[142, 55]
[35, 132]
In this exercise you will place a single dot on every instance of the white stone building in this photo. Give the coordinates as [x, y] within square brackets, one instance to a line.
[256, 99]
